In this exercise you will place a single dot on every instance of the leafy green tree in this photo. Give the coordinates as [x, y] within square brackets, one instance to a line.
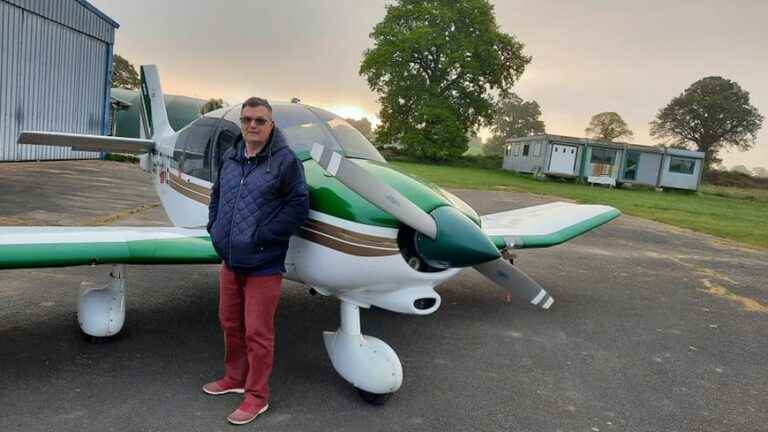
[212, 105]
[711, 115]
[608, 126]
[513, 117]
[741, 169]
[363, 126]
[439, 67]
[124, 75]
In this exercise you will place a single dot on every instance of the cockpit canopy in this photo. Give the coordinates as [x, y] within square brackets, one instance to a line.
[202, 143]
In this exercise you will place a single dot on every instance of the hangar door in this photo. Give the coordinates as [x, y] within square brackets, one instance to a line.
[563, 159]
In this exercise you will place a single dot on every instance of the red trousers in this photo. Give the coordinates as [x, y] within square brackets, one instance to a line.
[247, 306]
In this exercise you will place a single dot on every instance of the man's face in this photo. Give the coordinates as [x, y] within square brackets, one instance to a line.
[256, 124]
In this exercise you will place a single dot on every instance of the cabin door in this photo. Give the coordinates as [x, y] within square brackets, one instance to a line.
[563, 159]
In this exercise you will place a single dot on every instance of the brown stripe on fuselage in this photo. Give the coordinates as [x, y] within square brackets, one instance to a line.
[347, 248]
[184, 188]
[351, 236]
[205, 190]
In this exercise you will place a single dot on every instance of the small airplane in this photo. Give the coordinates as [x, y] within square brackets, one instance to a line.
[375, 236]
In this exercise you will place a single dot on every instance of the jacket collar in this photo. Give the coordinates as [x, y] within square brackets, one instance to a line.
[276, 143]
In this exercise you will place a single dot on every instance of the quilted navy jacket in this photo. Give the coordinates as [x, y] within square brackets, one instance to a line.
[256, 205]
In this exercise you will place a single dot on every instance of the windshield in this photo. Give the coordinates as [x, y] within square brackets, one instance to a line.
[303, 126]
[355, 145]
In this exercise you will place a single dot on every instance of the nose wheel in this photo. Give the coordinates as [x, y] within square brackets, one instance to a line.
[377, 399]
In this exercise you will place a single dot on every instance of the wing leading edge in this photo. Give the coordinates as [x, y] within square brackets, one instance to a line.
[27, 247]
[87, 142]
[545, 225]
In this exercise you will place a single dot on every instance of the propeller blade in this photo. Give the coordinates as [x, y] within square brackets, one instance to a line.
[518, 283]
[375, 191]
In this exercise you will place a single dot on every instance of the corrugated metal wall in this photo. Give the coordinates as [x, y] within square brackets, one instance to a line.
[53, 76]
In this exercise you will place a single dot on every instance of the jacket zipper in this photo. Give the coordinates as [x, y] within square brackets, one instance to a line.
[243, 175]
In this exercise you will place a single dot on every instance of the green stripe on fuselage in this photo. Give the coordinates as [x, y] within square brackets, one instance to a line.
[329, 196]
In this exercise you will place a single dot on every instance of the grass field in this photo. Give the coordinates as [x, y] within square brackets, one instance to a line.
[732, 213]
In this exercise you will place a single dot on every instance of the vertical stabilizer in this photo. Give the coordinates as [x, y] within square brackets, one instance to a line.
[153, 113]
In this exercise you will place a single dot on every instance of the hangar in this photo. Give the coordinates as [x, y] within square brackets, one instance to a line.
[55, 74]
[604, 161]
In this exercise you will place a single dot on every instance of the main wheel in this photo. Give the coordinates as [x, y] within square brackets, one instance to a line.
[374, 398]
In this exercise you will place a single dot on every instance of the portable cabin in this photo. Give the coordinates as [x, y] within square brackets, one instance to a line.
[604, 161]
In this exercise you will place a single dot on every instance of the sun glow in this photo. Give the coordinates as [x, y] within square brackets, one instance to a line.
[353, 112]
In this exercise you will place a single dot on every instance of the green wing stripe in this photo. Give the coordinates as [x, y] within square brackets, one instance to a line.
[192, 250]
[562, 236]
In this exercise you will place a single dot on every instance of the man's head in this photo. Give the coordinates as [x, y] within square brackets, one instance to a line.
[256, 121]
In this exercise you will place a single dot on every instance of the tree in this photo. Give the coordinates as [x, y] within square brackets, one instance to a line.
[760, 172]
[513, 117]
[438, 68]
[363, 126]
[741, 169]
[212, 105]
[608, 126]
[711, 115]
[124, 75]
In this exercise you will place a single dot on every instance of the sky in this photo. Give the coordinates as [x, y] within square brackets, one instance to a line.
[589, 56]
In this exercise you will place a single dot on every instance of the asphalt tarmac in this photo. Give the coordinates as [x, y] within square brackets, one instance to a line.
[653, 329]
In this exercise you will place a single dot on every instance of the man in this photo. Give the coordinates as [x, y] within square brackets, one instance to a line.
[258, 201]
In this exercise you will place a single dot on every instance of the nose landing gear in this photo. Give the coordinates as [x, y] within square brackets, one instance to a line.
[368, 363]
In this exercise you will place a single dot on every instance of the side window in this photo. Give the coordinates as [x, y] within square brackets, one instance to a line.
[196, 157]
[682, 165]
[526, 149]
[225, 138]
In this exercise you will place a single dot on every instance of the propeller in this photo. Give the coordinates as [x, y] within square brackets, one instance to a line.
[518, 283]
[378, 193]
[452, 239]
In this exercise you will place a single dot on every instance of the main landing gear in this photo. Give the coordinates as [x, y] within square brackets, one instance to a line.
[366, 362]
[101, 308]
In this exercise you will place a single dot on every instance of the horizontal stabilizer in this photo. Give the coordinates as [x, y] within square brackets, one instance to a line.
[88, 142]
[545, 225]
[29, 247]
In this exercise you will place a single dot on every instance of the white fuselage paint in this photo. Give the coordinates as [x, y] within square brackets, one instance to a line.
[384, 281]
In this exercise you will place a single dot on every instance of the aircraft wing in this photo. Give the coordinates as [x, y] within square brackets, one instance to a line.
[87, 142]
[26, 247]
[545, 225]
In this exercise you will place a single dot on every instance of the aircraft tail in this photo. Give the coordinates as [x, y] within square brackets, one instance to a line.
[154, 116]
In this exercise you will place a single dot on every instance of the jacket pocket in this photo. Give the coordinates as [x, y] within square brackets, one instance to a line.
[262, 230]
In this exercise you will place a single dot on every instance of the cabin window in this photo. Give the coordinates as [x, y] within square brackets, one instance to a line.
[603, 156]
[193, 149]
[682, 165]
[630, 167]
[526, 149]
[537, 149]
[225, 138]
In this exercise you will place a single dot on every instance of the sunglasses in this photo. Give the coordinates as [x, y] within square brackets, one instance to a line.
[260, 121]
